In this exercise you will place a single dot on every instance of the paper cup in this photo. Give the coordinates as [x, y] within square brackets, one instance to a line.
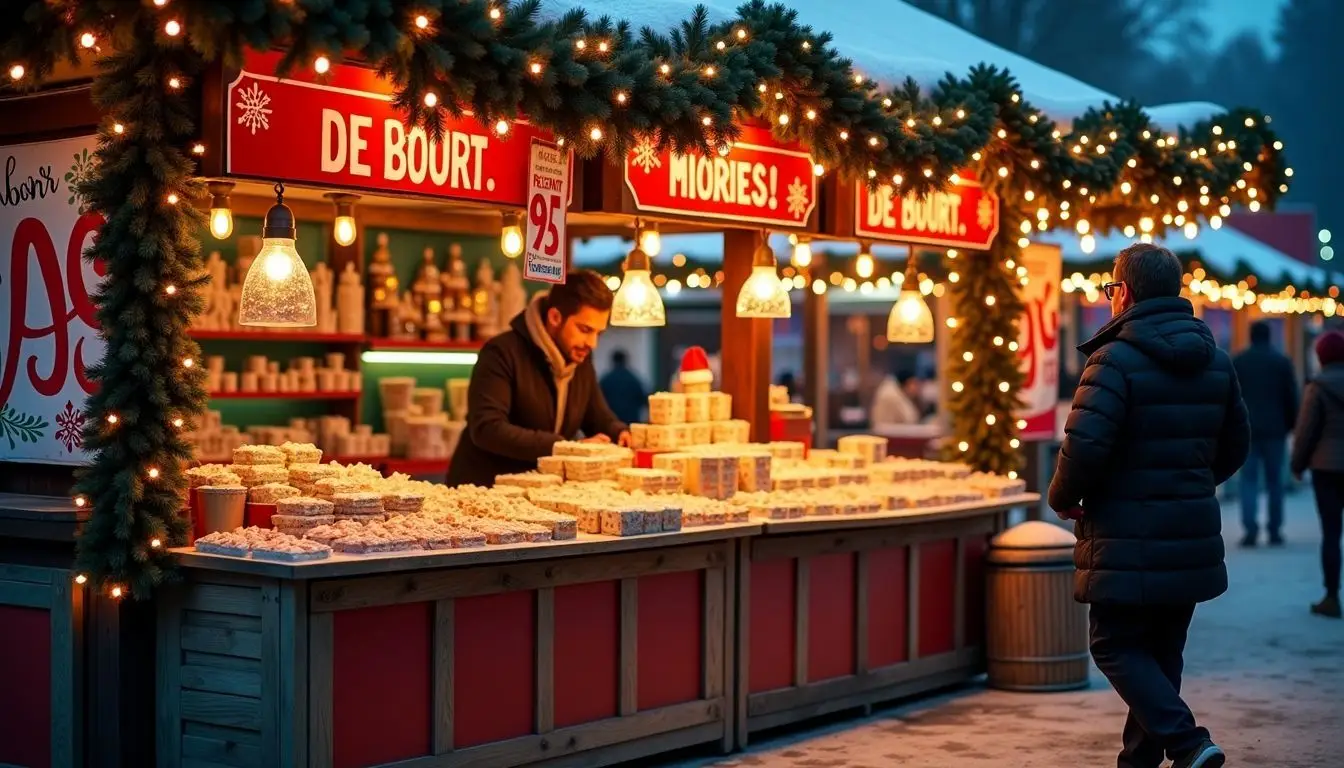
[222, 508]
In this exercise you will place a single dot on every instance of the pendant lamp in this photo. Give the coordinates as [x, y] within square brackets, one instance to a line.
[637, 303]
[763, 294]
[278, 291]
[911, 320]
[344, 230]
[511, 235]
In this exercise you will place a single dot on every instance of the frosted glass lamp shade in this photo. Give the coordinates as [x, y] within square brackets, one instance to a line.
[637, 303]
[763, 295]
[278, 291]
[911, 320]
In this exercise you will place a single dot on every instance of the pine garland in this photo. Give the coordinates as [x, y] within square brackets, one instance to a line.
[600, 87]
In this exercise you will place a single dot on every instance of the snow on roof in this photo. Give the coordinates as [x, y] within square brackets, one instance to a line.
[1225, 250]
[890, 41]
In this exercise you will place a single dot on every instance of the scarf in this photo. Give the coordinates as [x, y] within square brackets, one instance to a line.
[561, 369]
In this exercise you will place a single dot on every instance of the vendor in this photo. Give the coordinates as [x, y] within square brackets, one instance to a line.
[535, 385]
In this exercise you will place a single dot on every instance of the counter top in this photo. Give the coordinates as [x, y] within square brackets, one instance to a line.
[899, 517]
[362, 565]
[25, 516]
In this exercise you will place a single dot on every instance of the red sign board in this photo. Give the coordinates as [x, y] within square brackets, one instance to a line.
[340, 130]
[759, 180]
[963, 216]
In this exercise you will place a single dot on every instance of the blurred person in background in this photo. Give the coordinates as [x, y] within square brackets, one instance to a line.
[896, 400]
[1269, 388]
[623, 389]
[1318, 445]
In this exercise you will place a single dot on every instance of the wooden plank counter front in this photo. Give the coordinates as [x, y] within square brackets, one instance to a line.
[587, 652]
[843, 612]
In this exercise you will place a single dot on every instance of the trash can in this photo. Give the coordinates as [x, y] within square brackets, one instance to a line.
[1037, 635]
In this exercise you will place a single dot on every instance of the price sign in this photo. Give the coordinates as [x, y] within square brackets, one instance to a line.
[547, 196]
[48, 329]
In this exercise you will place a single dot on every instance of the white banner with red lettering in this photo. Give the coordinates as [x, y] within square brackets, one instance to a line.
[47, 323]
[1038, 341]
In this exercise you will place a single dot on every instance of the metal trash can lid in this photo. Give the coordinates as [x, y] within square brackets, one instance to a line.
[1034, 542]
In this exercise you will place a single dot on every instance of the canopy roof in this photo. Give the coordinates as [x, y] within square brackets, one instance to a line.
[890, 41]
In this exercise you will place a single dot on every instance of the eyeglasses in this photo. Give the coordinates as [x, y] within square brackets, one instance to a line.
[1110, 288]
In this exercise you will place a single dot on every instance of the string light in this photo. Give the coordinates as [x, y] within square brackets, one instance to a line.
[322, 65]
[495, 13]
[179, 422]
[153, 473]
[172, 28]
[116, 592]
[81, 579]
[422, 22]
[171, 290]
[80, 501]
[155, 543]
[112, 418]
[502, 127]
[16, 72]
[118, 128]
[172, 198]
[595, 134]
[431, 99]
[188, 362]
[198, 149]
[88, 40]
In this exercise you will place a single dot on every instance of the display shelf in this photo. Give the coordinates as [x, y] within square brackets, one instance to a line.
[387, 345]
[352, 395]
[281, 336]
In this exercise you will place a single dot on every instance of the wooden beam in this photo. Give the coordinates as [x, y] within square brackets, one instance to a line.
[444, 614]
[321, 684]
[545, 715]
[629, 669]
[745, 345]
[816, 353]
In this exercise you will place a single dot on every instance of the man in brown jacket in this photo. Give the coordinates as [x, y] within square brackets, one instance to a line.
[535, 385]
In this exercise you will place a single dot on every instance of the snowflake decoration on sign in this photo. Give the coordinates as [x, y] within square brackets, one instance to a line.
[798, 198]
[646, 156]
[81, 171]
[256, 110]
[984, 213]
[70, 428]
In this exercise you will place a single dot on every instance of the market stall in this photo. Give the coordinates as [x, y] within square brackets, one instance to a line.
[612, 604]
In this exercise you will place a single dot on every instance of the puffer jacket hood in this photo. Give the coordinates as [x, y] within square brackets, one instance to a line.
[1166, 330]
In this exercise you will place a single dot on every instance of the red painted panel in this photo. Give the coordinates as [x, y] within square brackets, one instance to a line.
[25, 696]
[937, 597]
[670, 633]
[494, 667]
[888, 606]
[830, 617]
[587, 652]
[381, 706]
[771, 639]
[975, 589]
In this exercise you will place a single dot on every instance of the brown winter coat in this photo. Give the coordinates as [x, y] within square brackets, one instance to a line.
[511, 409]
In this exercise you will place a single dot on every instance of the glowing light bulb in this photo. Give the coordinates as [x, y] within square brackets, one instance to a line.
[116, 592]
[153, 473]
[1004, 386]
[221, 223]
[990, 419]
[178, 423]
[321, 65]
[88, 40]
[172, 28]
[118, 128]
[112, 418]
[431, 99]
[80, 501]
[422, 22]
[155, 543]
[511, 239]
[171, 290]
[81, 579]
[595, 134]
[863, 265]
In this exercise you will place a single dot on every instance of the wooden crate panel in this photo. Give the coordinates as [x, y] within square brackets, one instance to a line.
[937, 597]
[671, 639]
[830, 617]
[220, 709]
[771, 638]
[494, 667]
[381, 684]
[888, 606]
[25, 695]
[974, 565]
[587, 652]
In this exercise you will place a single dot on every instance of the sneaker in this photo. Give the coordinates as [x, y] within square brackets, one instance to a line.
[1248, 541]
[1329, 607]
[1206, 755]
[1276, 540]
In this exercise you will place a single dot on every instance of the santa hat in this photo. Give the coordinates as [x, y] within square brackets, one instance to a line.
[695, 367]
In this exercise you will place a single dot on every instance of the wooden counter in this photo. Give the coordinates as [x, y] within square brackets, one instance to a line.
[579, 653]
[842, 612]
[586, 652]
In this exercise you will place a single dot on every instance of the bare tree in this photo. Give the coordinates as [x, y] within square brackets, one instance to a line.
[1101, 42]
[1310, 102]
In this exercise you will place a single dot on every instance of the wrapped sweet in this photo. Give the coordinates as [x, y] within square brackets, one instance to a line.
[300, 453]
[270, 493]
[252, 475]
[720, 406]
[667, 408]
[258, 454]
[871, 449]
[730, 431]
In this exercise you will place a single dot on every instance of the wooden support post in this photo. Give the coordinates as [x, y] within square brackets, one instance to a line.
[745, 342]
[816, 355]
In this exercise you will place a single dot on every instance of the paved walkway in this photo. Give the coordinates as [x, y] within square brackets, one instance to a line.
[1265, 676]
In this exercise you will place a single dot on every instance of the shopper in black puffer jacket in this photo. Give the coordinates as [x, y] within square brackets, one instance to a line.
[1157, 424]
[1318, 445]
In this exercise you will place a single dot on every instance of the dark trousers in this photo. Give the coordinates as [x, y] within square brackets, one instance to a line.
[1266, 456]
[1140, 649]
[1329, 487]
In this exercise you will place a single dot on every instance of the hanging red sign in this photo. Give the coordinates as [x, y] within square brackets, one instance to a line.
[340, 130]
[963, 216]
[759, 180]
